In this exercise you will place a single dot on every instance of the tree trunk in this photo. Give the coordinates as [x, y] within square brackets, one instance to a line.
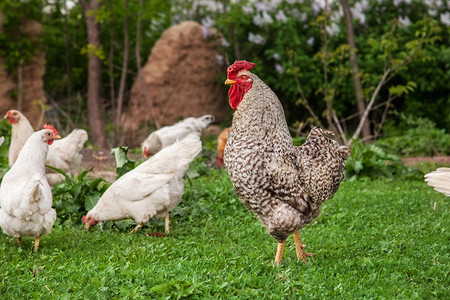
[20, 86]
[361, 105]
[68, 67]
[326, 91]
[111, 62]
[123, 76]
[138, 62]
[95, 105]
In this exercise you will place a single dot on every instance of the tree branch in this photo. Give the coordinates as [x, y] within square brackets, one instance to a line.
[369, 106]
[302, 96]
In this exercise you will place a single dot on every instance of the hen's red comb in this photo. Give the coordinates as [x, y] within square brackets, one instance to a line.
[239, 65]
[48, 126]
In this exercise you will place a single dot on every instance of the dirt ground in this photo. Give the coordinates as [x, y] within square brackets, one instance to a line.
[442, 160]
[102, 162]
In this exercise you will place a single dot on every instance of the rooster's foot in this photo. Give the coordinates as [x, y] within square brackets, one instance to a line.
[299, 246]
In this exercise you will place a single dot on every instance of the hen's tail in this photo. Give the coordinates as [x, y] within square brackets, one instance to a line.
[188, 148]
[77, 137]
[175, 158]
[198, 124]
[440, 180]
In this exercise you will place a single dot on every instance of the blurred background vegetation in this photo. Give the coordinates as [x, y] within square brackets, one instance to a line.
[301, 50]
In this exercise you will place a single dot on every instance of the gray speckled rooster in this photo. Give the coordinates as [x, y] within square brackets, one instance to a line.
[282, 184]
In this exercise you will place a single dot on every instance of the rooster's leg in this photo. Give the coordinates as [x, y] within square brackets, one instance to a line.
[167, 222]
[136, 228]
[299, 248]
[279, 254]
[36, 244]
[19, 241]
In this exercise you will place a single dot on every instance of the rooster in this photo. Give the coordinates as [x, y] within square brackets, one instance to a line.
[167, 135]
[221, 142]
[64, 154]
[282, 184]
[25, 195]
[149, 191]
[439, 180]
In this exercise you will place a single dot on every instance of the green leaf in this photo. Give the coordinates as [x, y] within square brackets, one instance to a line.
[120, 155]
[90, 201]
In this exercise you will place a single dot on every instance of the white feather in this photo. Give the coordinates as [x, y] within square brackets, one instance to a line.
[167, 135]
[25, 195]
[152, 188]
[439, 180]
[63, 154]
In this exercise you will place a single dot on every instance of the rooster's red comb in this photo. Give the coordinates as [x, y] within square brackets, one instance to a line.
[48, 126]
[239, 65]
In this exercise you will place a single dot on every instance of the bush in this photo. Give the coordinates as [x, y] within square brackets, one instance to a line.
[286, 40]
[414, 136]
[371, 161]
[76, 196]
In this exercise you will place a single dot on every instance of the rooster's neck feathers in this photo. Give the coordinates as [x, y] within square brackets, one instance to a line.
[261, 111]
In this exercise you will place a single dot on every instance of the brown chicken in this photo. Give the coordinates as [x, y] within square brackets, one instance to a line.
[221, 142]
[282, 184]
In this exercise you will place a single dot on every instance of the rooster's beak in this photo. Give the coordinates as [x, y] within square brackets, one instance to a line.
[229, 81]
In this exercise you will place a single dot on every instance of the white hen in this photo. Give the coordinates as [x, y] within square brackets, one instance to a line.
[167, 135]
[21, 131]
[25, 195]
[149, 191]
[64, 154]
[440, 180]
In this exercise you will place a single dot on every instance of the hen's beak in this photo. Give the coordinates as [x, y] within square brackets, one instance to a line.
[6, 116]
[229, 81]
[57, 137]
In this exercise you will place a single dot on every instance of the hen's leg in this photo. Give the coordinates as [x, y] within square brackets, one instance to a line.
[167, 222]
[36, 244]
[299, 248]
[136, 228]
[279, 254]
[19, 241]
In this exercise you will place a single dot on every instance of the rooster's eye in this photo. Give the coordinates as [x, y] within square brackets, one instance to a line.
[243, 77]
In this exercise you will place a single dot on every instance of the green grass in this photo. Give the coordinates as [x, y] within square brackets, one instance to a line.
[376, 239]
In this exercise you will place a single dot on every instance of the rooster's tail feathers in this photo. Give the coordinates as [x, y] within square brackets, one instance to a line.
[319, 134]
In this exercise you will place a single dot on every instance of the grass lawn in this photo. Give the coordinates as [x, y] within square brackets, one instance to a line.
[374, 239]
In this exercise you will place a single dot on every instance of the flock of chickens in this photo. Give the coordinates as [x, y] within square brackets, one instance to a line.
[282, 184]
